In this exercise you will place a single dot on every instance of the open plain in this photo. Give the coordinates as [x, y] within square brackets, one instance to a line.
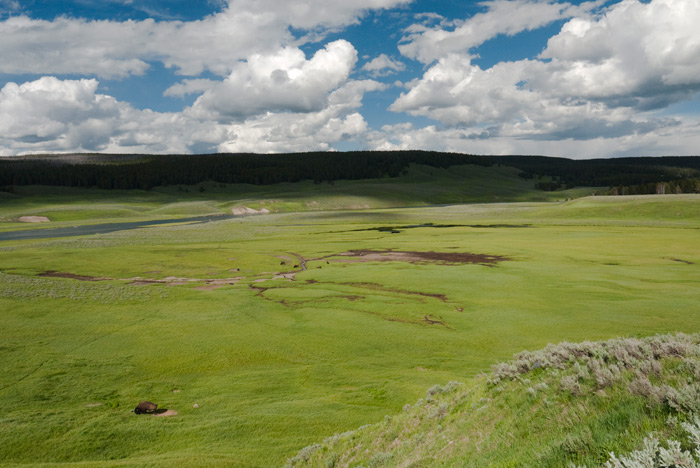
[265, 333]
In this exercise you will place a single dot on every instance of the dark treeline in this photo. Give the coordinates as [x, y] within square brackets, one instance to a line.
[659, 188]
[607, 172]
[147, 171]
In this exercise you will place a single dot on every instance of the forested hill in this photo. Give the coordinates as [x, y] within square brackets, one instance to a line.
[147, 171]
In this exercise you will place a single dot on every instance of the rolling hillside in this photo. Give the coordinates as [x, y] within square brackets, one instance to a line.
[621, 402]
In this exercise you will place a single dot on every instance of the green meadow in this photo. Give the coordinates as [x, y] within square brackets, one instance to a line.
[420, 186]
[268, 333]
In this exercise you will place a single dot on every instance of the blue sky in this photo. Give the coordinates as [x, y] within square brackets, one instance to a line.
[578, 79]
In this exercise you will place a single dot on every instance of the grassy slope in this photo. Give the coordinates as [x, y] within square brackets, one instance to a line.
[274, 370]
[640, 209]
[571, 404]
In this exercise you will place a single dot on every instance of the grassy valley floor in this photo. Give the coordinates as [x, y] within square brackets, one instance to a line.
[268, 333]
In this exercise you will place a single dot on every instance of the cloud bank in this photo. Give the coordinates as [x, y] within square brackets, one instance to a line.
[601, 77]
[110, 49]
[264, 78]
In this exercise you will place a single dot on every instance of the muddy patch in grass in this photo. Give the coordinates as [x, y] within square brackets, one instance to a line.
[445, 258]
[59, 274]
[287, 276]
[398, 229]
[209, 283]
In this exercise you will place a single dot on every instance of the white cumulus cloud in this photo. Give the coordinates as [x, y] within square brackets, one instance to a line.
[607, 81]
[50, 114]
[53, 115]
[600, 77]
[186, 87]
[270, 95]
[285, 81]
[636, 49]
[318, 131]
[660, 142]
[383, 65]
[114, 49]
[507, 17]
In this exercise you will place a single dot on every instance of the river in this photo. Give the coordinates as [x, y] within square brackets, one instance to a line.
[86, 230]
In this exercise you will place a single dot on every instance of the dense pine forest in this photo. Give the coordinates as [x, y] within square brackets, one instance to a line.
[622, 176]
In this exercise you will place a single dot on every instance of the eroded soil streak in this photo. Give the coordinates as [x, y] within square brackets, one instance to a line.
[58, 274]
[382, 288]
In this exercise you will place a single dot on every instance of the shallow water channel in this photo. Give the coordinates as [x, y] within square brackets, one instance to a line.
[87, 230]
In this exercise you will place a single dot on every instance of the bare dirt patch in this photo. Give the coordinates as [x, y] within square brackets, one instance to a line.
[144, 282]
[446, 258]
[164, 413]
[244, 210]
[34, 219]
[287, 276]
[59, 274]
[224, 281]
[209, 283]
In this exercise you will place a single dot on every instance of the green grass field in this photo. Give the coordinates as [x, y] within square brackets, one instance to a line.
[187, 315]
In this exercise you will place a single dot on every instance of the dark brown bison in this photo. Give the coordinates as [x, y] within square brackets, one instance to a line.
[145, 407]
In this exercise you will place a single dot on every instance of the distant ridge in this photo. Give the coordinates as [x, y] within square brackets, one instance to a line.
[142, 171]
